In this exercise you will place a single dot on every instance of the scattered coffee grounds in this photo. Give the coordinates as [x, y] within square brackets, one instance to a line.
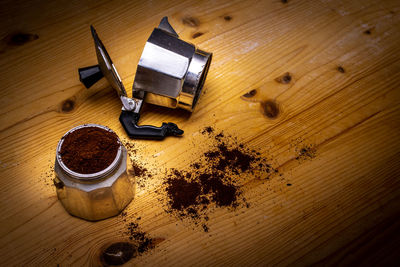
[141, 240]
[89, 149]
[138, 170]
[144, 242]
[123, 215]
[118, 253]
[213, 180]
[303, 149]
[130, 147]
[141, 170]
[306, 152]
[207, 129]
[47, 177]
[141, 173]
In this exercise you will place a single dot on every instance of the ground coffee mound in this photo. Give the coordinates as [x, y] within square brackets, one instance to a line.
[214, 180]
[89, 149]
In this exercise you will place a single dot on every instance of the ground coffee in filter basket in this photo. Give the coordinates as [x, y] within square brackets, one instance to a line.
[89, 150]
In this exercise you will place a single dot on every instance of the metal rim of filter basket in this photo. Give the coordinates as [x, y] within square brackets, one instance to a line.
[88, 176]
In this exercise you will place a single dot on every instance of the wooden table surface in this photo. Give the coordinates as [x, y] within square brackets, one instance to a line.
[342, 99]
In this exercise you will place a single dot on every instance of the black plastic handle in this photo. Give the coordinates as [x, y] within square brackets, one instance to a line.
[130, 119]
[90, 75]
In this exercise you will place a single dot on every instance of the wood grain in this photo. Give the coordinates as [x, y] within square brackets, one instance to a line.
[342, 98]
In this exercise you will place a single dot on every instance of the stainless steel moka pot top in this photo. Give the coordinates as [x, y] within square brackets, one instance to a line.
[170, 73]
